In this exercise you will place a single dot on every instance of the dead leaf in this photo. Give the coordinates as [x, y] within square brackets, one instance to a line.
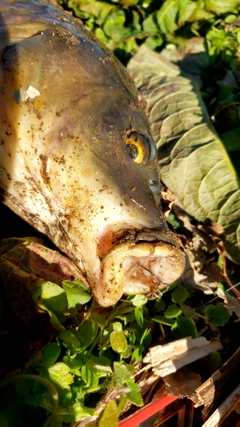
[231, 303]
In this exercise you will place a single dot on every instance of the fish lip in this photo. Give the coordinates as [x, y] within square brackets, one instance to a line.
[150, 235]
[137, 267]
[110, 238]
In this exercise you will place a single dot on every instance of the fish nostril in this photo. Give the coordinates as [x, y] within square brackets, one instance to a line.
[154, 185]
[155, 190]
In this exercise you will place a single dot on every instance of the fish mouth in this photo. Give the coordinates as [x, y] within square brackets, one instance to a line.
[132, 268]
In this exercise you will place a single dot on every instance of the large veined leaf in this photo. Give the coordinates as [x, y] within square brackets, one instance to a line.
[194, 163]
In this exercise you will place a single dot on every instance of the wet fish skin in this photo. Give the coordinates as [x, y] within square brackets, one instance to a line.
[68, 111]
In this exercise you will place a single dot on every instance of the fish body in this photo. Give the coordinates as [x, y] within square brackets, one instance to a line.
[77, 160]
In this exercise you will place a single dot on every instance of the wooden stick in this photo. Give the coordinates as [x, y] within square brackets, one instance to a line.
[214, 387]
[224, 409]
[168, 358]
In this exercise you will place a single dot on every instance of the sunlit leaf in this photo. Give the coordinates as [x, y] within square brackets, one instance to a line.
[167, 16]
[74, 413]
[85, 8]
[123, 378]
[221, 6]
[118, 341]
[109, 417]
[150, 25]
[173, 310]
[61, 376]
[139, 300]
[54, 297]
[76, 293]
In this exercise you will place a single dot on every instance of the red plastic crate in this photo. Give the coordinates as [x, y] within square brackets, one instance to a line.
[158, 412]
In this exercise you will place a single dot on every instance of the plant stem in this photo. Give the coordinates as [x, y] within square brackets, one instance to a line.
[42, 380]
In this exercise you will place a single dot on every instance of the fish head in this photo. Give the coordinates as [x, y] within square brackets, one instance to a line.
[79, 164]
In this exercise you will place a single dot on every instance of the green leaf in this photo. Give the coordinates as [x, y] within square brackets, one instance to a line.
[122, 404]
[89, 376]
[139, 300]
[174, 13]
[118, 342]
[55, 321]
[221, 6]
[159, 304]
[59, 373]
[187, 9]
[60, 376]
[200, 13]
[134, 395]
[109, 417]
[163, 320]
[87, 8]
[23, 387]
[194, 163]
[50, 354]
[86, 334]
[173, 310]
[217, 315]
[127, 353]
[179, 295]
[114, 26]
[137, 354]
[68, 337]
[77, 294]
[100, 364]
[117, 326]
[122, 378]
[146, 338]
[74, 413]
[230, 19]
[167, 16]
[184, 327]
[214, 361]
[98, 318]
[74, 364]
[231, 140]
[11, 417]
[122, 374]
[150, 25]
[139, 316]
[53, 297]
[154, 42]
[173, 220]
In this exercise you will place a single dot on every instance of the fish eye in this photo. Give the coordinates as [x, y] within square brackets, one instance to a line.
[140, 148]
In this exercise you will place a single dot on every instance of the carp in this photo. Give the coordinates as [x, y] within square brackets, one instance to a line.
[77, 160]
